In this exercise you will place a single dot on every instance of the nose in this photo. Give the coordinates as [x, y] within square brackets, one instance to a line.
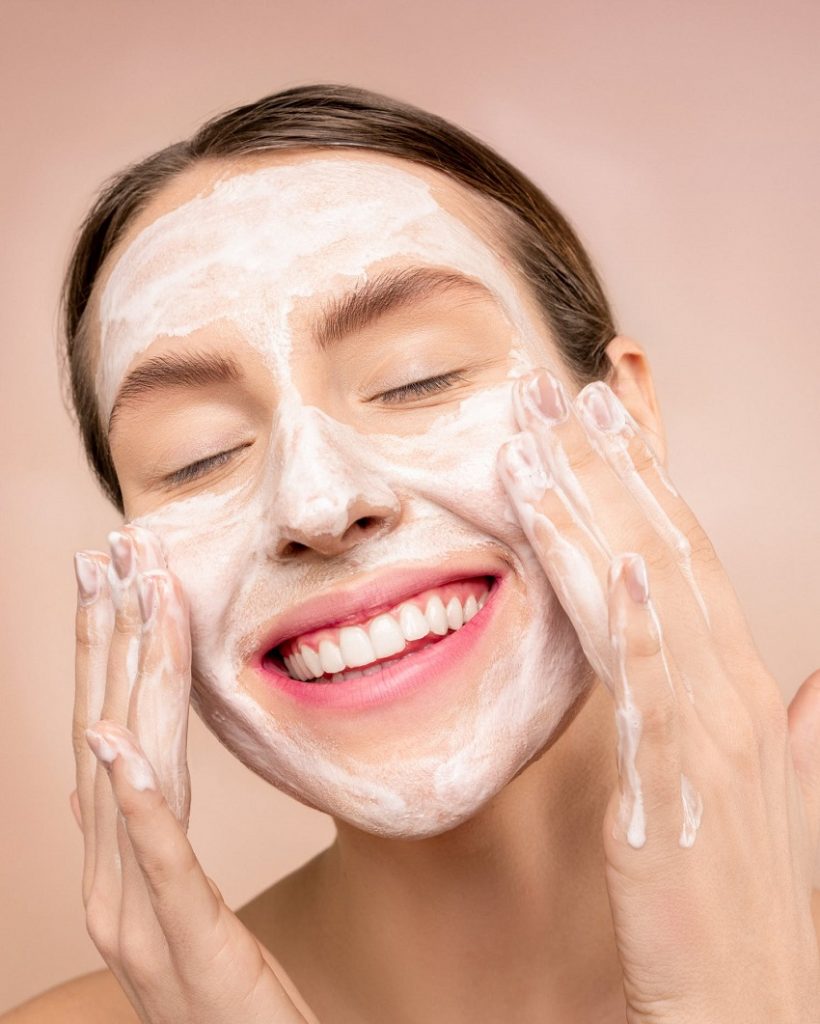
[327, 499]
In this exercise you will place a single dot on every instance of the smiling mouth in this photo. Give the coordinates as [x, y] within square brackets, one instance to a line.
[334, 655]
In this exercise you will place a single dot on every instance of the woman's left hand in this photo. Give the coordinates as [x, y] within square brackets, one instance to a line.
[710, 838]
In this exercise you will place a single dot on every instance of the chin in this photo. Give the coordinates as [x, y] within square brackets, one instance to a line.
[438, 757]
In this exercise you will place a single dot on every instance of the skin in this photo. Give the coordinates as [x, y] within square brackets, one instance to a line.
[538, 904]
[321, 451]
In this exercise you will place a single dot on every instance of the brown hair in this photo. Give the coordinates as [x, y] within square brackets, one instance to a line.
[540, 240]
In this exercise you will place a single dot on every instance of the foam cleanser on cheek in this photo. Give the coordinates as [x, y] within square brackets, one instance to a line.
[398, 773]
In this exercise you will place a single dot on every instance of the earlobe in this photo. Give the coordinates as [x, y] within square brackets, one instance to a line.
[632, 382]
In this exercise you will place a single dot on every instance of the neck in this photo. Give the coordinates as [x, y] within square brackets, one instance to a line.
[505, 917]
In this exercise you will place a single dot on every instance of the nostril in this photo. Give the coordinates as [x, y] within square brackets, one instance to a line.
[363, 525]
[298, 542]
[292, 548]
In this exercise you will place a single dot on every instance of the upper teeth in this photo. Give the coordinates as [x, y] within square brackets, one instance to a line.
[385, 637]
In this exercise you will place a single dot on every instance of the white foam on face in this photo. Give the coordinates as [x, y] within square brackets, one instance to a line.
[246, 253]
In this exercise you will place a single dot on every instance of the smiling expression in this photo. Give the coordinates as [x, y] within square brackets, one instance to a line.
[309, 363]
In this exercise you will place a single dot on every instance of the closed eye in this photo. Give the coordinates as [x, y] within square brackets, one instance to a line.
[200, 467]
[419, 388]
[414, 389]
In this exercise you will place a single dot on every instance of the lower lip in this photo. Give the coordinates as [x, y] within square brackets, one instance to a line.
[400, 679]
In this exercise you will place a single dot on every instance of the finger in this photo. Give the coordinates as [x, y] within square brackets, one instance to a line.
[717, 626]
[804, 739]
[198, 927]
[158, 721]
[134, 549]
[618, 439]
[598, 489]
[158, 714]
[657, 803]
[615, 436]
[577, 565]
[94, 625]
[600, 510]
[185, 905]
[129, 548]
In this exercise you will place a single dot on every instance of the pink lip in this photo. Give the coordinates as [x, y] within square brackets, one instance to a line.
[365, 599]
[400, 678]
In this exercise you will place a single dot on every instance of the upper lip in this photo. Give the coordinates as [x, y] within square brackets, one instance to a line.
[365, 597]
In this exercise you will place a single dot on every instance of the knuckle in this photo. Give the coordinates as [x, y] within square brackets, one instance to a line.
[742, 745]
[85, 638]
[101, 926]
[585, 458]
[138, 954]
[774, 717]
[142, 809]
[659, 561]
[176, 867]
[78, 740]
[700, 547]
[93, 627]
[642, 642]
[659, 722]
[166, 864]
[126, 622]
[642, 458]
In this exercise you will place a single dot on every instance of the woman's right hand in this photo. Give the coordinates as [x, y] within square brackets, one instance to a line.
[180, 954]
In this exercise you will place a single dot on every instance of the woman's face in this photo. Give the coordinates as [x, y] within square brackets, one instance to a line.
[262, 331]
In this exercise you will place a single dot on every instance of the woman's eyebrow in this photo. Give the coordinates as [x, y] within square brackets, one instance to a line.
[188, 370]
[386, 292]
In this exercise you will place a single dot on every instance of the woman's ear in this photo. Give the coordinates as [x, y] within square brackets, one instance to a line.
[631, 380]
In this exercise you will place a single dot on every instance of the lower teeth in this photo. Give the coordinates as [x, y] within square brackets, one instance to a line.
[354, 673]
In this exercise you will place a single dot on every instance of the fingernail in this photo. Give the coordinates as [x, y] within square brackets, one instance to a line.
[117, 743]
[88, 578]
[122, 554]
[527, 473]
[147, 595]
[547, 397]
[600, 408]
[102, 749]
[636, 579]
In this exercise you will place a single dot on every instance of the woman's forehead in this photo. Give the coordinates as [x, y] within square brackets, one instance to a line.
[256, 240]
[310, 182]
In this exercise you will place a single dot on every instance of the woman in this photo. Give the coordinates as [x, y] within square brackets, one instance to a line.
[395, 504]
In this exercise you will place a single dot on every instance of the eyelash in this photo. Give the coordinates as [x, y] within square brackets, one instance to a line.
[197, 469]
[415, 389]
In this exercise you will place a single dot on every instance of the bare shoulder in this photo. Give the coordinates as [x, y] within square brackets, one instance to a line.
[279, 918]
[276, 913]
[94, 998]
[815, 911]
[97, 998]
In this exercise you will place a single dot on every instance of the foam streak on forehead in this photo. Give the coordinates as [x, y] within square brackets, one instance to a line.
[258, 241]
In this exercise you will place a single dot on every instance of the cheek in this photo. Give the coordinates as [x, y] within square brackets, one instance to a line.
[218, 545]
[213, 544]
[412, 776]
[452, 466]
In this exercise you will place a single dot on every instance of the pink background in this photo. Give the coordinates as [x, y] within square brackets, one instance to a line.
[680, 138]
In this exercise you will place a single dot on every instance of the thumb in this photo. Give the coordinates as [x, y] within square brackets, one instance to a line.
[804, 738]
